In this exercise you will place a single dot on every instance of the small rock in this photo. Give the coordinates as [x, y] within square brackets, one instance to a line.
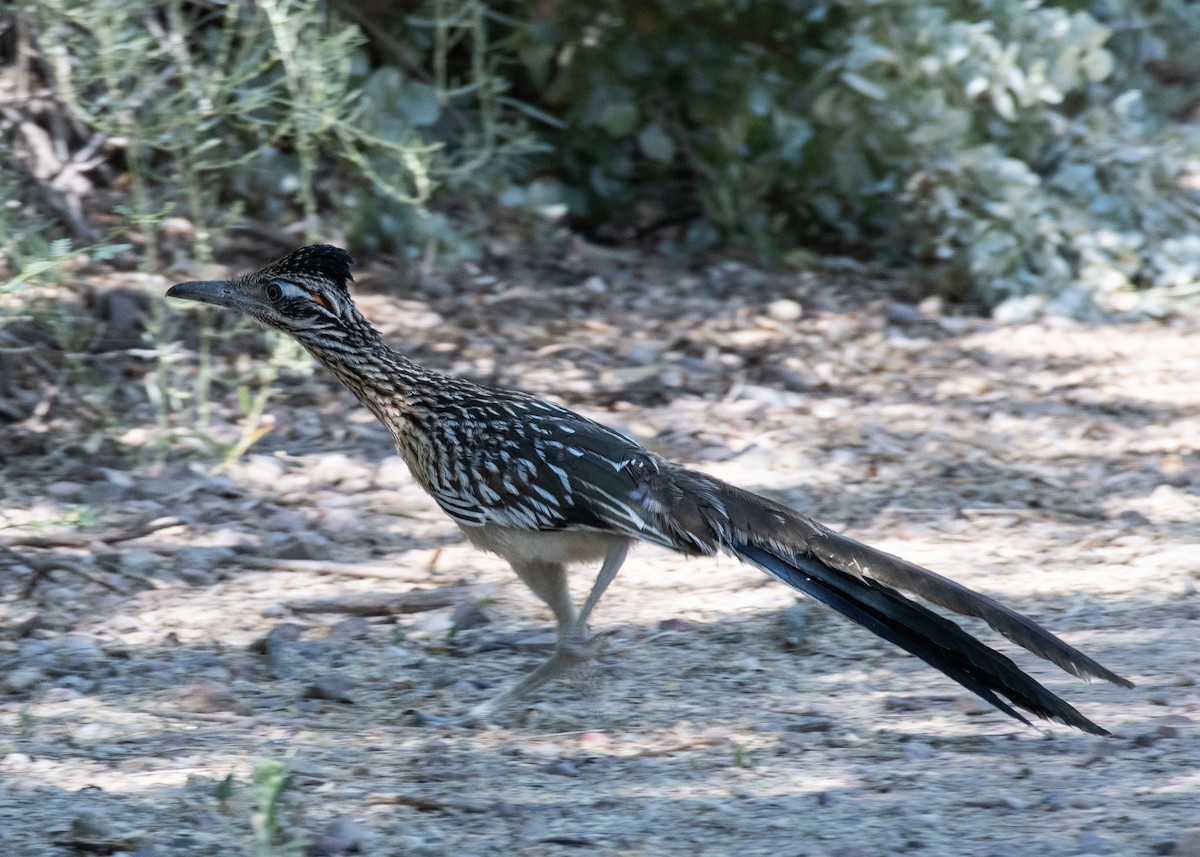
[902, 703]
[341, 836]
[337, 469]
[139, 562]
[785, 310]
[23, 679]
[930, 307]
[14, 763]
[209, 697]
[260, 470]
[60, 694]
[595, 740]
[1172, 725]
[335, 686]
[903, 313]
[809, 724]
[562, 768]
[79, 654]
[68, 492]
[918, 751]
[677, 624]
[90, 825]
[351, 628]
[595, 285]
[76, 684]
[276, 646]
[644, 354]
[303, 545]
[197, 577]
[1024, 310]
[101, 494]
[202, 566]
[468, 615]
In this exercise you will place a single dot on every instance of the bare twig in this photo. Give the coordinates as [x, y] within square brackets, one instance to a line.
[348, 569]
[382, 603]
[80, 540]
[426, 802]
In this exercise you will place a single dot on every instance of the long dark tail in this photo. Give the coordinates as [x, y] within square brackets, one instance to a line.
[863, 584]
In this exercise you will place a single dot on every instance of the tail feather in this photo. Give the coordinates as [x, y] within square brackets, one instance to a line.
[848, 555]
[696, 513]
[918, 630]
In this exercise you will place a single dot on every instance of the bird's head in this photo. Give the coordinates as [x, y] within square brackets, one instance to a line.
[304, 294]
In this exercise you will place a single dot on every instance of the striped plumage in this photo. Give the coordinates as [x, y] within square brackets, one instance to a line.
[545, 487]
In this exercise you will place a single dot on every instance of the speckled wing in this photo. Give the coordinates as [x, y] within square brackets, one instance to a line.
[551, 470]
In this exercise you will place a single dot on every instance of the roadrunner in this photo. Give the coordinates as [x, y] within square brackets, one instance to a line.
[544, 488]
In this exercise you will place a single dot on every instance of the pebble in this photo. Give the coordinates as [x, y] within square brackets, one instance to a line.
[209, 697]
[69, 492]
[350, 628]
[261, 470]
[468, 615]
[337, 469]
[79, 654]
[903, 313]
[562, 768]
[918, 751]
[809, 724]
[296, 546]
[644, 354]
[335, 686]
[342, 836]
[23, 679]
[785, 310]
[90, 825]
[139, 562]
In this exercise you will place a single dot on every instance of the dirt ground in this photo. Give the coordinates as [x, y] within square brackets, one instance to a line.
[159, 643]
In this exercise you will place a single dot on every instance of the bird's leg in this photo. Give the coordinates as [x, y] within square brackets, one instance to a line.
[613, 561]
[549, 583]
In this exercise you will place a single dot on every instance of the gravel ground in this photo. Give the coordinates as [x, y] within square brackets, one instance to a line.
[160, 644]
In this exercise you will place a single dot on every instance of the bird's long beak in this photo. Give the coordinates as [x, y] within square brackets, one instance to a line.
[218, 292]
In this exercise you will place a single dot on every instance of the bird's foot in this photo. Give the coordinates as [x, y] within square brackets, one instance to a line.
[576, 650]
[470, 720]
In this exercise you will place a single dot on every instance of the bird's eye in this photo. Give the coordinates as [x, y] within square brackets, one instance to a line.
[274, 292]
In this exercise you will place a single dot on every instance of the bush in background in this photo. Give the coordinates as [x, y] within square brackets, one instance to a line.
[1041, 155]
[1025, 149]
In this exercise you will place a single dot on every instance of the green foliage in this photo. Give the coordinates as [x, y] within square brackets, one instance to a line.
[1015, 145]
[261, 95]
[268, 783]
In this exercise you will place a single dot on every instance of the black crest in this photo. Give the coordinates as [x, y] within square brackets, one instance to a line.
[317, 261]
